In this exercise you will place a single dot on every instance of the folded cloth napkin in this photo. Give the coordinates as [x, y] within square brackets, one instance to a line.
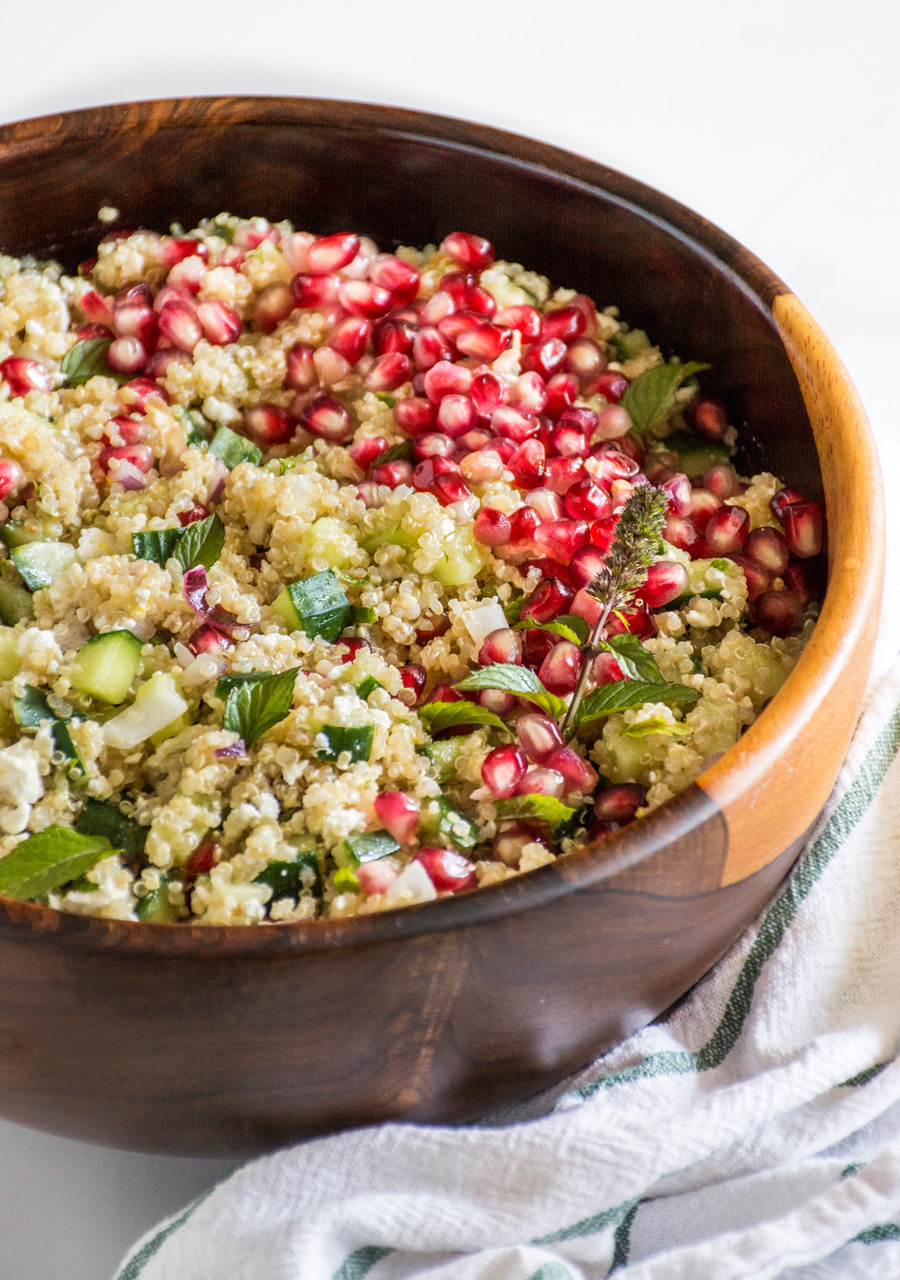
[753, 1132]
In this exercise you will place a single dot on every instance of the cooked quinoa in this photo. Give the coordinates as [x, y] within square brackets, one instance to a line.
[267, 498]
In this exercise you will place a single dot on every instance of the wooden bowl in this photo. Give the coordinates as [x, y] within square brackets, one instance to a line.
[217, 1041]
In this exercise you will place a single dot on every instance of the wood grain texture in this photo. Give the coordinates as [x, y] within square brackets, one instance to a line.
[213, 1041]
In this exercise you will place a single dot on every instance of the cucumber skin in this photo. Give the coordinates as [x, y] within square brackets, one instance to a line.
[40, 562]
[16, 603]
[104, 662]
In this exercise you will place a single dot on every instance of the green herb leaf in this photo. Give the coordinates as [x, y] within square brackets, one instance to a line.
[655, 725]
[403, 451]
[370, 846]
[568, 625]
[157, 545]
[201, 543]
[355, 739]
[438, 716]
[544, 808]
[442, 825]
[255, 706]
[627, 695]
[86, 360]
[367, 686]
[361, 616]
[650, 397]
[512, 611]
[103, 818]
[634, 659]
[389, 400]
[290, 879]
[32, 708]
[48, 860]
[514, 679]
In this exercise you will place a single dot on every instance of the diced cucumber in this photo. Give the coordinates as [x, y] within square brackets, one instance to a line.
[394, 535]
[157, 907]
[369, 685]
[18, 533]
[331, 540]
[462, 559]
[695, 457]
[40, 562]
[106, 666]
[631, 343]
[10, 662]
[369, 846]
[234, 449]
[103, 818]
[443, 755]
[316, 605]
[15, 603]
[32, 709]
[196, 426]
[356, 740]
[345, 881]
[156, 704]
[171, 730]
[445, 825]
[290, 879]
[705, 579]
[361, 617]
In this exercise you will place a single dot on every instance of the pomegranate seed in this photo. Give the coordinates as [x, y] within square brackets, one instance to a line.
[603, 531]
[85, 332]
[538, 734]
[720, 480]
[364, 452]
[548, 601]
[274, 304]
[433, 444]
[349, 337]
[488, 393]
[96, 308]
[449, 489]
[326, 418]
[606, 670]
[612, 386]
[470, 251]
[444, 379]
[502, 704]
[778, 612]
[587, 606]
[796, 579]
[413, 677]
[207, 639]
[430, 346]
[502, 769]
[666, 580]
[491, 528]
[156, 365]
[134, 321]
[414, 414]
[528, 393]
[782, 499]
[509, 844]
[484, 341]
[502, 645]
[544, 357]
[577, 774]
[612, 464]
[456, 415]
[314, 291]
[398, 813]
[363, 298]
[353, 649]
[445, 692]
[439, 308]
[680, 533]
[540, 781]
[172, 249]
[527, 464]
[187, 274]
[393, 474]
[524, 521]
[375, 878]
[331, 253]
[294, 248]
[191, 517]
[169, 293]
[726, 530]
[301, 369]
[562, 391]
[135, 394]
[525, 319]
[178, 324]
[428, 470]
[392, 335]
[585, 564]
[11, 478]
[221, 323]
[124, 430]
[388, 372]
[126, 355]
[546, 503]
[22, 375]
[565, 322]
[709, 418]
[567, 440]
[586, 501]
[636, 621]
[613, 423]
[400, 278]
[703, 504]
[768, 548]
[331, 367]
[561, 668]
[619, 803]
[562, 473]
[679, 493]
[474, 440]
[448, 870]
[267, 425]
[758, 579]
[511, 424]
[483, 467]
[135, 456]
[560, 539]
[803, 528]
[586, 360]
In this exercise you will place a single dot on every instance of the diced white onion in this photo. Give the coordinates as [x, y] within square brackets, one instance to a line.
[412, 885]
[488, 617]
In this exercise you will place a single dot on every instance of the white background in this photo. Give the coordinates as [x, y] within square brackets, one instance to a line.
[777, 119]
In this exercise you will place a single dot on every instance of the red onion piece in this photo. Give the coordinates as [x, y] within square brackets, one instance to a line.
[195, 588]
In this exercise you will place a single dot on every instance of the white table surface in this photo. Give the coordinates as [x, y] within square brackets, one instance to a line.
[777, 119]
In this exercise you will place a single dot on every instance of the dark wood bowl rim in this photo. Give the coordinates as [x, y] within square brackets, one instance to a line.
[588, 867]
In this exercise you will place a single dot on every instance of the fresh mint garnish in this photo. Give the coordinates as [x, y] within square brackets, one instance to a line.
[568, 626]
[403, 451]
[650, 397]
[636, 662]
[46, 861]
[254, 706]
[157, 545]
[521, 681]
[628, 695]
[86, 360]
[544, 808]
[438, 716]
[200, 543]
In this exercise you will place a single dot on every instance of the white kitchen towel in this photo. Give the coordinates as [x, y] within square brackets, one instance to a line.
[754, 1132]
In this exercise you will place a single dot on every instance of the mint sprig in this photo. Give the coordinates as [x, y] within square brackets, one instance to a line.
[438, 716]
[627, 695]
[199, 543]
[86, 360]
[46, 861]
[521, 681]
[650, 397]
[254, 706]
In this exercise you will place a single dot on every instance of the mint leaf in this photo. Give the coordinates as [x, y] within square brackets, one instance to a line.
[355, 739]
[86, 360]
[32, 708]
[636, 661]
[544, 808]
[521, 681]
[200, 543]
[48, 860]
[568, 625]
[626, 695]
[512, 611]
[157, 545]
[103, 818]
[438, 716]
[650, 397]
[396, 452]
[254, 706]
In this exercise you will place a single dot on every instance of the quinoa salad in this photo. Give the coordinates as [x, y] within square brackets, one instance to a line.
[335, 580]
